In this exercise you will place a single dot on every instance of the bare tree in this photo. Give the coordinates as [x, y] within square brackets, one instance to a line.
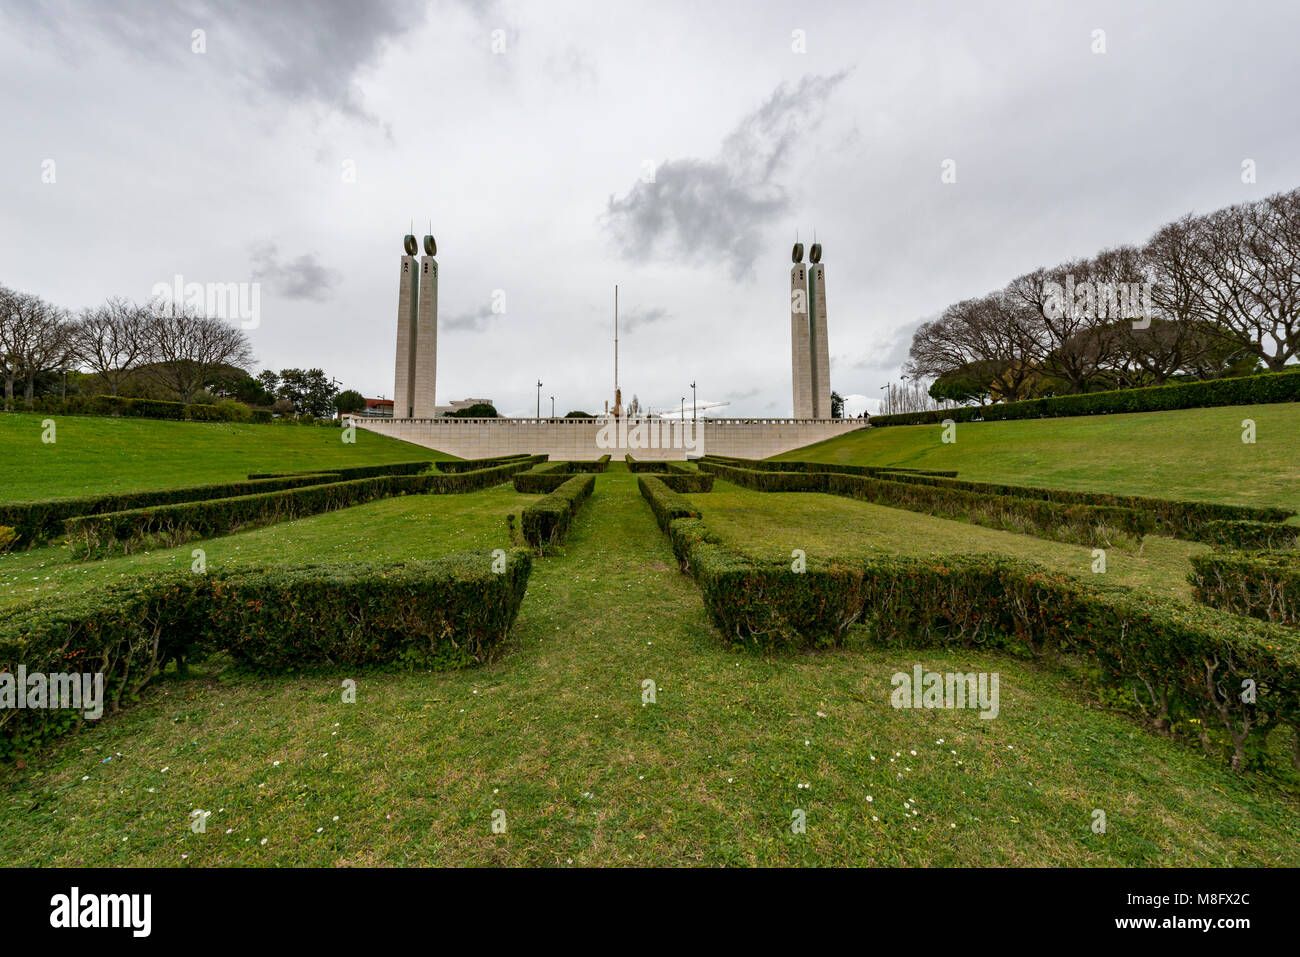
[110, 340]
[185, 348]
[35, 340]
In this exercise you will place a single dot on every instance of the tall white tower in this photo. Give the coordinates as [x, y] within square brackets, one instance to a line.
[820, 347]
[425, 359]
[408, 294]
[800, 346]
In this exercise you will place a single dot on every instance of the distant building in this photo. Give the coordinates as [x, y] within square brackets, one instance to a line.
[379, 409]
[461, 404]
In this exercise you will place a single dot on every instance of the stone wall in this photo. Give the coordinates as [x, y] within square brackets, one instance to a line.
[588, 439]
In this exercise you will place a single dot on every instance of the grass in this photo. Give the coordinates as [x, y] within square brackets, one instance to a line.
[101, 454]
[556, 736]
[1192, 454]
[765, 524]
[392, 529]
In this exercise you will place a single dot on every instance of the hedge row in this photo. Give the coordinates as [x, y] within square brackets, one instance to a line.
[667, 505]
[1179, 518]
[657, 466]
[1180, 663]
[1264, 586]
[1090, 525]
[539, 483]
[600, 465]
[1240, 390]
[693, 482]
[116, 405]
[355, 471]
[133, 529]
[1250, 535]
[765, 465]
[39, 520]
[473, 465]
[448, 612]
[547, 521]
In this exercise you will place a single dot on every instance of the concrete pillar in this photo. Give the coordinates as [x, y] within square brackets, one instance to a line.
[821, 359]
[404, 374]
[800, 364]
[426, 340]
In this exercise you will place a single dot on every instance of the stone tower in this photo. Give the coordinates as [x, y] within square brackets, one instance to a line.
[818, 344]
[800, 346]
[408, 294]
[426, 335]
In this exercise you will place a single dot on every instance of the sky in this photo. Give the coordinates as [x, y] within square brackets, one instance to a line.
[676, 149]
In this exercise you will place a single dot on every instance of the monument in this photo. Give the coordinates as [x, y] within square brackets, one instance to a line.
[417, 331]
[810, 361]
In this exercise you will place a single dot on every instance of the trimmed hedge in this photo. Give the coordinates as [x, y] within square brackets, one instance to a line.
[1090, 525]
[355, 471]
[473, 465]
[1250, 535]
[694, 482]
[764, 465]
[446, 613]
[1264, 586]
[539, 483]
[166, 525]
[1182, 664]
[117, 405]
[1240, 390]
[547, 521]
[600, 465]
[667, 505]
[1175, 517]
[41, 519]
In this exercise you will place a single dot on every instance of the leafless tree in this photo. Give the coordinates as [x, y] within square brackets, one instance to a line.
[34, 338]
[110, 340]
[185, 348]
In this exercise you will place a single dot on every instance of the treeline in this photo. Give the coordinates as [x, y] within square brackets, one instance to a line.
[154, 350]
[1206, 297]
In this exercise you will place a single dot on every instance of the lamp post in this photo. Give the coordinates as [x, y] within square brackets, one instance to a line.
[552, 407]
[539, 398]
[692, 403]
[683, 408]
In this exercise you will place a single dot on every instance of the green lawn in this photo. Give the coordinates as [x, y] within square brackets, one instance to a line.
[101, 454]
[555, 735]
[772, 524]
[1193, 454]
[391, 529]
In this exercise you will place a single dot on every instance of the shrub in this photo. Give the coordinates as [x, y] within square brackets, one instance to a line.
[1180, 663]
[133, 529]
[539, 483]
[763, 465]
[263, 416]
[547, 521]
[1264, 586]
[41, 519]
[473, 465]
[1090, 525]
[1241, 390]
[8, 538]
[1249, 534]
[1178, 518]
[205, 413]
[667, 505]
[355, 471]
[695, 482]
[599, 465]
[449, 612]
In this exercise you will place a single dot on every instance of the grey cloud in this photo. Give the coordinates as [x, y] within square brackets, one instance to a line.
[303, 51]
[639, 316]
[473, 320]
[721, 205]
[301, 278]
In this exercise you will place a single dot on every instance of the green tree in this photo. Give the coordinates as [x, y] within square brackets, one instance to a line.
[309, 390]
[350, 400]
[479, 410]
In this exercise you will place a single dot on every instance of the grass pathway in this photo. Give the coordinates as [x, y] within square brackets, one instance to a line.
[555, 736]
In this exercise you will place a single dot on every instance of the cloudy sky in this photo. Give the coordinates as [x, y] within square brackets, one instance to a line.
[674, 148]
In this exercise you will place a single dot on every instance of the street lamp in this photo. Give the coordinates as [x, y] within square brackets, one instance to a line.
[539, 398]
[683, 408]
[692, 403]
[552, 407]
